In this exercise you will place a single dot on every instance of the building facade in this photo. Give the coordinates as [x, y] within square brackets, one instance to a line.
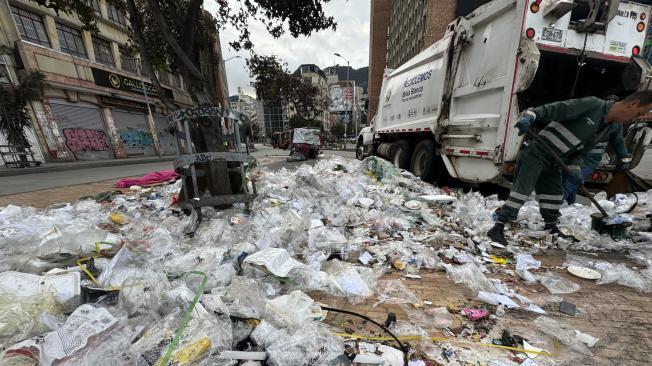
[399, 31]
[97, 105]
[317, 77]
[275, 117]
[249, 106]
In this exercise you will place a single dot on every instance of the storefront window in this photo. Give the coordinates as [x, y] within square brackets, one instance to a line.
[30, 26]
[103, 52]
[71, 41]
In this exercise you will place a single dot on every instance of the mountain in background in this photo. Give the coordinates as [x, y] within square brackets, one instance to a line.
[361, 75]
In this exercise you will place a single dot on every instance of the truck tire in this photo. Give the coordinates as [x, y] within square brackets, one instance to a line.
[427, 165]
[403, 154]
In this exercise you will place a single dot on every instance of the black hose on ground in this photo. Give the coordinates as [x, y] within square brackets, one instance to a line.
[400, 344]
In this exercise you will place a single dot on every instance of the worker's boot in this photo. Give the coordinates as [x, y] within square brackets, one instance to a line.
[497, 233]
[554, 230]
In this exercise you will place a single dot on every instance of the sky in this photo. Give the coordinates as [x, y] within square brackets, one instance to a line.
[351, 40]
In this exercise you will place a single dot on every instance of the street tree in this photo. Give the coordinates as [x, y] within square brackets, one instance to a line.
[14, 117]
[274, 83]
[297, 121]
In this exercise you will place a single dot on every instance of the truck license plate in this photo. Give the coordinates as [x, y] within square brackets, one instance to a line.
[552, 34]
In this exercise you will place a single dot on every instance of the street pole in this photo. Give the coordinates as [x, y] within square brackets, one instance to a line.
[348, 82]
[152, 128]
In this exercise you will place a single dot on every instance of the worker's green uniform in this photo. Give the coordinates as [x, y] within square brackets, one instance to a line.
[571, 130]
[612, 135]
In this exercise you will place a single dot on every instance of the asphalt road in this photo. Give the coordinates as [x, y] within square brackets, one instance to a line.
[268, 157]
[272, 158]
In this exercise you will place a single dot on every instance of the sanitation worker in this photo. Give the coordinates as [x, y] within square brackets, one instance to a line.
[614, 138]
[572, 129]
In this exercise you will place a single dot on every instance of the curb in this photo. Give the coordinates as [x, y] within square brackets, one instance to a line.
[76, 166]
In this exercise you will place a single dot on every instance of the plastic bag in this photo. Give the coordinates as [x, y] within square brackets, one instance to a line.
[20, 316]
[83, 324]
[276, 260]
[311, 344]
[395, 292]
[292, 310]
[245, 298]
[64, 243]
[626, 277]
[567, 335]
[143, 294]
[470, 275]
[557, 284]
[353, 281]
[430, 319]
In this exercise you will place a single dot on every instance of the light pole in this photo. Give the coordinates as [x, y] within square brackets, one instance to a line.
[348, 82]
[150, 120]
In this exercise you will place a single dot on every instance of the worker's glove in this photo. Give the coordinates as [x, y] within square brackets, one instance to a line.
[624, 163]
[575, 175]
[525, 121]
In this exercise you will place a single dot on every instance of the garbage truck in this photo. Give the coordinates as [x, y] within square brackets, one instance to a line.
[449, 112]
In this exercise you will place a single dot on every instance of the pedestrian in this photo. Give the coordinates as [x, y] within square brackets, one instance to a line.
[614, 138]
[572, 129]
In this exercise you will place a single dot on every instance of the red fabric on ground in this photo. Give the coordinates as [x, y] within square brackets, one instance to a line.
[147, 179]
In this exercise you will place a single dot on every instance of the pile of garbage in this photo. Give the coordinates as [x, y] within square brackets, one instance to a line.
[118, 282]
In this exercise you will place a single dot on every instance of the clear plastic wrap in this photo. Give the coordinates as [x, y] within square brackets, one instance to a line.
[292, 310]
[567, 335]
[471, 276]
[624, 276]
[21, 317]
[557, 284]
[143, 294]
[395, 292]
[312, 343]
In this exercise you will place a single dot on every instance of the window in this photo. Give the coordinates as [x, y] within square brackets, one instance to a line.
[30, 26]
[70, 40]
[5, 77]
[95, 4]
[128, 61]
[103, 52]
[115, 14]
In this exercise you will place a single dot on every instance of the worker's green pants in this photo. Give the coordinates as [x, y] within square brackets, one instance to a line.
[535, 171]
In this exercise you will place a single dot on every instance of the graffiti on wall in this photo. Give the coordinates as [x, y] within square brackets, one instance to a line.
[80, 140]
[137, 139]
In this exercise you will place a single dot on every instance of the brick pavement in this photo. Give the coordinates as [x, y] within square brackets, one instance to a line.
[617, 315]
[47, 197]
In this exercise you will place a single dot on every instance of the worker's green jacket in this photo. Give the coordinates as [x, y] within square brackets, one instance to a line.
[572, 127]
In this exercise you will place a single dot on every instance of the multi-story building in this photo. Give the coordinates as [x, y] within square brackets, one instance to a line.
[402, 29]
[317, 78]
[275, 116]
[249, 106]
[96, 103]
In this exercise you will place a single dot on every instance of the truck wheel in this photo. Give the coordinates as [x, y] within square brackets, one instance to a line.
[403, 154]
[427, 165]
[359, 150]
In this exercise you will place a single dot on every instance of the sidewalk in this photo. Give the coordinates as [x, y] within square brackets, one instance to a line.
[74, 165]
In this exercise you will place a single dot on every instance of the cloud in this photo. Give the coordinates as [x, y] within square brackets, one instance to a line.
[351, 40]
